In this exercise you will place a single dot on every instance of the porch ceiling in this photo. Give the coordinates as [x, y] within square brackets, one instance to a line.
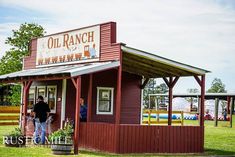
[58, 72]
[153, 66]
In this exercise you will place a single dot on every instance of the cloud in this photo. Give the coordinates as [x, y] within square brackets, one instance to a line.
[196, 32]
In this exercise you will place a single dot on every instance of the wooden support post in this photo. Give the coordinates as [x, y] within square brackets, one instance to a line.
[201, 83]
[89, 99]
[170, 105]
[118, 95]
[231, 111]
[26, 85]
[118, 107]
[77, 113]
[216, 112]
[170, 83]
[228, 104]
[202, 101]
[182, 118]
[199, 109]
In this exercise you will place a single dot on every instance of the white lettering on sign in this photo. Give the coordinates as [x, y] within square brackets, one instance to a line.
[71, 47]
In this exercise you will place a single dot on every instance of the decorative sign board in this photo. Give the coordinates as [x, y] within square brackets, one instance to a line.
[77, 46]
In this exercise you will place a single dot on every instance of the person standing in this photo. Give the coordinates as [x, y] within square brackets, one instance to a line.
[225, 114]
[83, 111]
[41, 112]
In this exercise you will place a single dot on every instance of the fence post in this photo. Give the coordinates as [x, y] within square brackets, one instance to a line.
[182, 118]
[216, 112]
[149, 117]
[231, 111]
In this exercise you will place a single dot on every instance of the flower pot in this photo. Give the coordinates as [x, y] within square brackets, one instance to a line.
[61, 149]
[11, 141]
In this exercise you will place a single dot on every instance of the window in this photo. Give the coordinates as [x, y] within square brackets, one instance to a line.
[41, 91]
[31, 98]
[49, 94]
[104, 100]
[51, 98]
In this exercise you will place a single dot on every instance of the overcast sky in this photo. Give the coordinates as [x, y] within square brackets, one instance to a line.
[196, 32]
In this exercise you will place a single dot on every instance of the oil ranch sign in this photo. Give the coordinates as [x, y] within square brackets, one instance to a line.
[81, 45]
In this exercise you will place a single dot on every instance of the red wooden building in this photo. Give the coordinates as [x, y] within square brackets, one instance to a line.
[110, 76]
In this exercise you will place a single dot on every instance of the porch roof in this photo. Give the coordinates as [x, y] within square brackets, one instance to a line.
[57, 72]
[154, 66]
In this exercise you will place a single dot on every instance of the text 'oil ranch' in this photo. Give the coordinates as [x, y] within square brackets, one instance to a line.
[70, 40]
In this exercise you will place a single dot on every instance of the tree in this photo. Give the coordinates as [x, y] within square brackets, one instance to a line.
[217, 86]
[192, 90]
[12, 61]
[152, 88]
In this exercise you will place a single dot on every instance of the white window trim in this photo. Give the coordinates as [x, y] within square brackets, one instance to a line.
[34, 97]
[63, 102]
[97, 101]
[52, 86]
[44, 96]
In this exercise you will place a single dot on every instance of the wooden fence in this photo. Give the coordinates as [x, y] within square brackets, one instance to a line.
[134, 138]
[150, 120]
[161, 139]
[9, 115]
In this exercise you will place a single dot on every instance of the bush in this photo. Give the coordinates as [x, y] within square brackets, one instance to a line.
[64, 134]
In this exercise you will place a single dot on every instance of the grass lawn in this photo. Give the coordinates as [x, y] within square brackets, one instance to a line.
[218, 141]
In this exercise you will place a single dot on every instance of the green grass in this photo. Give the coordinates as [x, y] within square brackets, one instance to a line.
[218, 141]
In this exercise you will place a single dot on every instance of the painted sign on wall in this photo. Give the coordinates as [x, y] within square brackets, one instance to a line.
[77, 46]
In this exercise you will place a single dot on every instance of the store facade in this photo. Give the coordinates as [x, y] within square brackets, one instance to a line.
[88, 63]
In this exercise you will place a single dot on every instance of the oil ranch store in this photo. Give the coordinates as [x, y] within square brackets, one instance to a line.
[88, 63]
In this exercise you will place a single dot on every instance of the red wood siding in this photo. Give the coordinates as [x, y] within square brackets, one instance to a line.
[71, 96]
[141, 139]
[30, 61]
[103, 79]
[131, 99]
[160, 139]
[98, 136]
[109, 49]
[70, 100]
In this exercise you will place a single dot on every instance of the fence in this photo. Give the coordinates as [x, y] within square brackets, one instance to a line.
[9, 115]
[151, 120]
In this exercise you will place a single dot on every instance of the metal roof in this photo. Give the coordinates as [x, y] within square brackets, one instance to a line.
[155, 65]
[68, 70]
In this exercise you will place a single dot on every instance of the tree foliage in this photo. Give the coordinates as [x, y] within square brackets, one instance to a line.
[12, 61]
[152, 88]
[217, 86]
[192, 90]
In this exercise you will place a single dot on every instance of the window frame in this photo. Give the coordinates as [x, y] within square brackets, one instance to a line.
[98, 101]
[47, 93]
[34, 97]
[44, 87]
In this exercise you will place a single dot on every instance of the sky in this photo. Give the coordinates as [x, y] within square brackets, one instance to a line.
[200, 33]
